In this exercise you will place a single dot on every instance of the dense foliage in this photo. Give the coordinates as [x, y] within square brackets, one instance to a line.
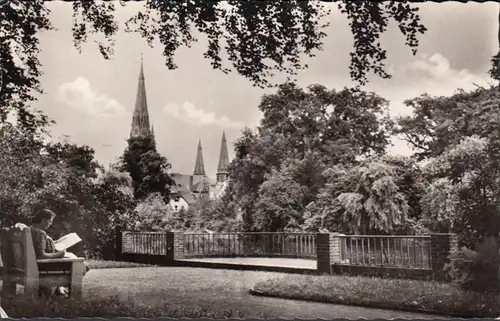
[147, 168]
[476, 270]
[66, 179]
[205, 214]
[458, 137]
[280, 168]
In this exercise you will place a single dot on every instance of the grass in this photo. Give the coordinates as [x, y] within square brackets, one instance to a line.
[151, 292]
[158, 287]
[145, 292]
[133, 292]
[220, 291]
[111, 307]
[414, 295]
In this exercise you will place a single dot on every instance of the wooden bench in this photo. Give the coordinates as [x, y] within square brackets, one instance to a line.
[20, 265]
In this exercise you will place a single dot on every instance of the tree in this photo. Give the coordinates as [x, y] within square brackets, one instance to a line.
[311, 119]
[327, 126]
[286, 193]
[80, 158]
[363, 199]
[114, 207]
[439, 205]
[64, 181]
[24, 175]
[147, 168]
[257, 37]
[440, 122]
[467, 173]
[410, 181]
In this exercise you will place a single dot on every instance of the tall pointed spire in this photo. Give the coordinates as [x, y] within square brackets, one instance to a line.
[140, 119]
[199, 167]
[222, 169]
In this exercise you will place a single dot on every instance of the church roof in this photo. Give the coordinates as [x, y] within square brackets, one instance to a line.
[199, 167]
[187, 196]
[183, 192]
[181, 179]
[223, 157]
[202, 186]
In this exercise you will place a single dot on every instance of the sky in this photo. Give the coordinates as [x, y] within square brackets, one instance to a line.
[92, 99]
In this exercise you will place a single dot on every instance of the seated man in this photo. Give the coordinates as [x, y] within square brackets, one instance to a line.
[44, 246]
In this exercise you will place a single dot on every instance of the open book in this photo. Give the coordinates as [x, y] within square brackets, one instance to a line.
[67, 241]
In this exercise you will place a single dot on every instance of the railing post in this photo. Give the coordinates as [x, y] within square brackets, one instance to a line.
[175, 246]
[328, 251]
[442, 245]
[336, 255]
[118, 243]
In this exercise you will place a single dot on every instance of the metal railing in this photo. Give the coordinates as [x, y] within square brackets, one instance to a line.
[153, 243]
[386, 251]
[301, 245]
[411, 252]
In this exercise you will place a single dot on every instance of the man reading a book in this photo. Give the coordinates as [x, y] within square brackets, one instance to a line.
[45, 247]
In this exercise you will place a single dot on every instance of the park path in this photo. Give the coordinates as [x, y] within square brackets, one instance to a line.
[262, 261]
[224, 289]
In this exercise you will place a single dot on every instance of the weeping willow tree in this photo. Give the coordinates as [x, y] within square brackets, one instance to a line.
[363, 199]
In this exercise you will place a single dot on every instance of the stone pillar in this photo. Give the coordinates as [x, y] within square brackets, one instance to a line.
[442, 245]
[328, 251]
[175, 246]
[336, 250]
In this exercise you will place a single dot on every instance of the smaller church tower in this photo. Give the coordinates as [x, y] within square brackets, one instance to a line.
[222, 168]
[199, 183]
[199, 167]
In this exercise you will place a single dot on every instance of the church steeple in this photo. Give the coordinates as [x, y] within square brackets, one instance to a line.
[199, 167]
[222, 169]
[140, 119]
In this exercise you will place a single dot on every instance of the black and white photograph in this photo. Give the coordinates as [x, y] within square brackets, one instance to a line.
[250, 159]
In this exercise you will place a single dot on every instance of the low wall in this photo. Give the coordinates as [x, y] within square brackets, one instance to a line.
[284, 256]
[161, 260]
[383, 272]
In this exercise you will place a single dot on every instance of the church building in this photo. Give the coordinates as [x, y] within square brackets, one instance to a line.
[188, 188]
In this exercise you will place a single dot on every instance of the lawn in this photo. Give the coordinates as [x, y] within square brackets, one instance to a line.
[150, 292]
[383, 293]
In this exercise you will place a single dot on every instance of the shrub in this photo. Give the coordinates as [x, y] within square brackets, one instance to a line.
[152, 213]
[476, 270]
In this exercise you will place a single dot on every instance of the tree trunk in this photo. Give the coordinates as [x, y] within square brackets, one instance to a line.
[364, 223]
